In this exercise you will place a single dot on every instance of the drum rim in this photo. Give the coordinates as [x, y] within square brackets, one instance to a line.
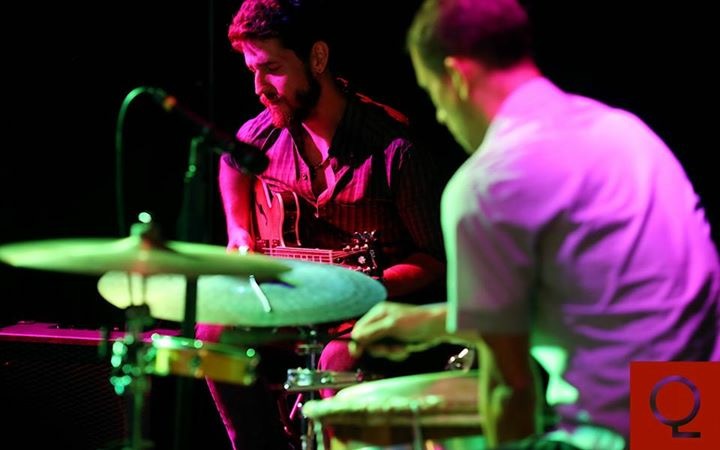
[167, 342]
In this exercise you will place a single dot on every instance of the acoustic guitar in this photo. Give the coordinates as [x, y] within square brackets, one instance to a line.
[276, 219]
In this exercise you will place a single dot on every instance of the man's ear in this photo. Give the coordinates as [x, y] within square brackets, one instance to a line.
[319, 57]
[459, 76]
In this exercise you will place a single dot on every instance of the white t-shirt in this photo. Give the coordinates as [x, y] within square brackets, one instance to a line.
[575, 223]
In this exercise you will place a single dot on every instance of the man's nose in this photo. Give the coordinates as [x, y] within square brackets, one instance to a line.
[259, 83]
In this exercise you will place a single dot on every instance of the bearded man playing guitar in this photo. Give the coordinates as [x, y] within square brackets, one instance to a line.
[340, 164]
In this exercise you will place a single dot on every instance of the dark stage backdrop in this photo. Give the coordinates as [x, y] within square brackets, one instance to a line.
[68, 66]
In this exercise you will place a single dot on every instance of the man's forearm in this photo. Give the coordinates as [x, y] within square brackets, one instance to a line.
[509, 393]
[236, 198]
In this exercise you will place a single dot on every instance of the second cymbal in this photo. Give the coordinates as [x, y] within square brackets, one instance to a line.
[308, 293]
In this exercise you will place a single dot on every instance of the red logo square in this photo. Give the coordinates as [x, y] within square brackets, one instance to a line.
[675, 405]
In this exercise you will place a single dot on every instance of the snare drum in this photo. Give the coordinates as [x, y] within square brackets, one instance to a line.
[414, 411]
[171, 355]
[304, 380]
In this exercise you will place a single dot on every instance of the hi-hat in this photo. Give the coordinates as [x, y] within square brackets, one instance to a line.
[308, 293]
[136, 254]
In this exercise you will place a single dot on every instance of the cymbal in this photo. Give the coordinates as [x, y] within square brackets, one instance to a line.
[135, 254]
[308, 293]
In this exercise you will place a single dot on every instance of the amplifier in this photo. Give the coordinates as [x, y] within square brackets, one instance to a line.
[55, 388]
[51, 333]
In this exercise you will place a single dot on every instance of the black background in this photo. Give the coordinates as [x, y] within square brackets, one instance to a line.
[68, 67]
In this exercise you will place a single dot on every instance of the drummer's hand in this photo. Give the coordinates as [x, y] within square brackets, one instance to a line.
[394, 330]
[239, 240]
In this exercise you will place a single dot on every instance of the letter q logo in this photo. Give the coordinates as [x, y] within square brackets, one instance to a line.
[675, 424]
[674, 405]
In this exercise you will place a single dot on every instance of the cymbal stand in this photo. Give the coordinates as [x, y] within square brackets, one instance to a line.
[134, 373]
[131, 357]
[309, 438]
[129, 360]
[184, 386]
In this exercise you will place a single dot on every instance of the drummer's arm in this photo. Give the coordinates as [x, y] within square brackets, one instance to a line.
[235, 188]
[509, 388]
[394, 330]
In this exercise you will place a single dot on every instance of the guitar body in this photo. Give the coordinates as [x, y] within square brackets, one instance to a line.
[276, 219]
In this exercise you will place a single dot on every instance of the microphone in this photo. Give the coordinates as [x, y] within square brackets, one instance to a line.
[247, 156]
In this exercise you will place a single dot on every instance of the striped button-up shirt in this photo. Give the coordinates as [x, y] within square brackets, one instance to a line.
[382, 182]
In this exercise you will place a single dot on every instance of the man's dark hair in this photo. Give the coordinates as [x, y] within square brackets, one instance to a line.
[495, 32]
[298, 24]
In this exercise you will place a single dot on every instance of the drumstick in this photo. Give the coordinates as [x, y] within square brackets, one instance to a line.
[261, 295]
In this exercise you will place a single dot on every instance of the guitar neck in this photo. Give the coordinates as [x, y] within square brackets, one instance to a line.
[305, 254]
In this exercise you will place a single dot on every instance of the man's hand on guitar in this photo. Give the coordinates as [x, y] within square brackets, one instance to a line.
[239, 240]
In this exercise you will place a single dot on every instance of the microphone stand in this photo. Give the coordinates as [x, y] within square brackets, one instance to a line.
[193, 208]
[195, 195]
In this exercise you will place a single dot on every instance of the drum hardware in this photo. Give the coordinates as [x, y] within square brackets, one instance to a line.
[307, 383]
[311, 349]
[139, 257]
[133, 361]
[129, 361]
[188, 283]
[307, 293]
[170, 355]
[463, 360]
[130, 356]
[307, 380]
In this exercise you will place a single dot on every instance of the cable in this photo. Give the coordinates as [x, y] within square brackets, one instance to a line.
[119, 169]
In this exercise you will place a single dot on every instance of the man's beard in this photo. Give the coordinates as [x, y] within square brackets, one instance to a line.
[305, 100]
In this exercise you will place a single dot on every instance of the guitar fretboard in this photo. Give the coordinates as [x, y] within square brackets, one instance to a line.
[305, 254]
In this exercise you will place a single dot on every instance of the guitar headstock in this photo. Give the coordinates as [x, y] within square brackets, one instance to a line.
[362, 253]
